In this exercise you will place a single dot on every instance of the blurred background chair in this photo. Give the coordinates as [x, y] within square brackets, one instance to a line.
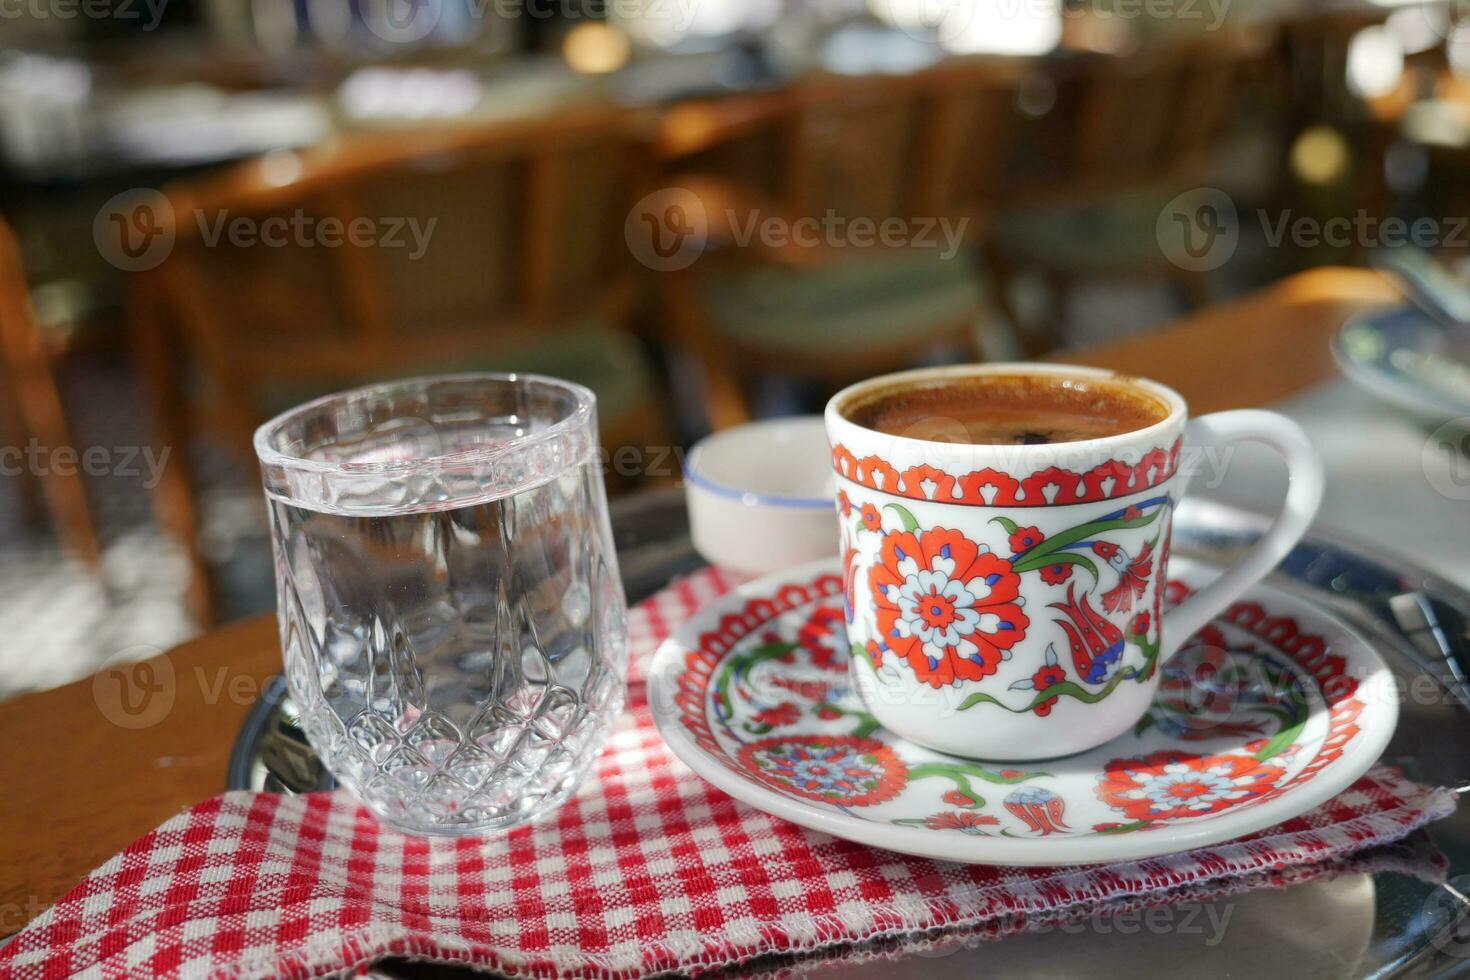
[32, 409]
[1087, 156]
[490, 249]
[814, 301]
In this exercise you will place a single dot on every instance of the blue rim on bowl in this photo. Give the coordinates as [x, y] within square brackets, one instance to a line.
[753, 498]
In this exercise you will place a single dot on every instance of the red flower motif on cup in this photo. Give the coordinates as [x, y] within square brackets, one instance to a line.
[1048, 675]
[1169, 785]
[965, 821]
[945, 606]
[1056, 574]
[843, 770]
[1096, 644]
[1026, 538]
[1132, 577]
[872, 519]
[844, 503]
[1043, 679]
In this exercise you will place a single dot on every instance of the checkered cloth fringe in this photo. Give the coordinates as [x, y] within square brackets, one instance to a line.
[648, 869]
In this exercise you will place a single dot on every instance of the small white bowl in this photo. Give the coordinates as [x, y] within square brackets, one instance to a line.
[761, 495]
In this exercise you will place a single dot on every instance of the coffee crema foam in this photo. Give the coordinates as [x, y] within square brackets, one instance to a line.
[1009, 409]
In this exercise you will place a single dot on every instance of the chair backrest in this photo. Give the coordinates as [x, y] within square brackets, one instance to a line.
[852, 146]
[974, 135]
[362, 256]
[1080, 128]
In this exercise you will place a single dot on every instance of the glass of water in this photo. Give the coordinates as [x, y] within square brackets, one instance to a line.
[452, 621]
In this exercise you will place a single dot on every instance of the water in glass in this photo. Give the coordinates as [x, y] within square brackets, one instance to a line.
[452, 619]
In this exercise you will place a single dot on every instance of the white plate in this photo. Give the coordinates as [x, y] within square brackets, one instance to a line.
[1406, 358]
[753, 694]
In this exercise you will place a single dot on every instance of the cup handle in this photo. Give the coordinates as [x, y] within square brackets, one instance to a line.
[1303, 496]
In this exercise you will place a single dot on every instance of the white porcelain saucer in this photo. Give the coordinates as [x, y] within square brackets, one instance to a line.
[753, 693]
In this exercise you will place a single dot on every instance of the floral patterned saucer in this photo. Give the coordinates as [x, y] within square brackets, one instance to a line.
[754, 694]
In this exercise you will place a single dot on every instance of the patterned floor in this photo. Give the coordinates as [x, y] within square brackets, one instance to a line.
[60, 619]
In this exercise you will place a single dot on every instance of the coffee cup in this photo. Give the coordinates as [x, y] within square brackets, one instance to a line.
[1005, 545]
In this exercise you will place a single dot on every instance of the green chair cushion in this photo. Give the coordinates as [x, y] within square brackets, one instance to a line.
[605, 359]
[1117, 235]
[872, 299]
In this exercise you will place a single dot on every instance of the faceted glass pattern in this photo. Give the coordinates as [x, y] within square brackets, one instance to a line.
[452, 620]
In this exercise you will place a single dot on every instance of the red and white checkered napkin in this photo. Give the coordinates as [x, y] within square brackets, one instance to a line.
[648, 869]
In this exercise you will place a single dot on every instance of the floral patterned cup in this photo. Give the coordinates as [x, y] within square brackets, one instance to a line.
[1004, 601]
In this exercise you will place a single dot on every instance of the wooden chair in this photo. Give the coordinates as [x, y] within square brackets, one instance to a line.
[33, 408]
[1085, 152]
[1310, 85]
[525, 268]
[850, 148]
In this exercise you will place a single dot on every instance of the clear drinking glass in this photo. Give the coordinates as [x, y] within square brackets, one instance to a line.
[452, 620]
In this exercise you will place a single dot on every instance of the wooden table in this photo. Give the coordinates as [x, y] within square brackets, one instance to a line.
[82, 784]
